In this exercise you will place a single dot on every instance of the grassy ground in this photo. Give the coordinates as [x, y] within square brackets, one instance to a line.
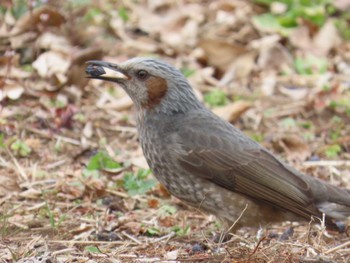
[74, 185]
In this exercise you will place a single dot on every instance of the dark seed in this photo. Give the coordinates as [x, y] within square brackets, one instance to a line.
[94, 70]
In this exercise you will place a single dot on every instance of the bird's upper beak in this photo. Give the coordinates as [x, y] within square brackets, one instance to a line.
[106, 71]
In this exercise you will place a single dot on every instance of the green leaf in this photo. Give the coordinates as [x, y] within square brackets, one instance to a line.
[333, 150]
[216, 97]
[270, 23]
[102, 161]
[92, 249]
[182, 231]
[138, 184]
[21, 148]
[152, 231]
[187, 71]
[167, 210]
[311, 65]
[288, 123]
[2, 140]
[123, 13]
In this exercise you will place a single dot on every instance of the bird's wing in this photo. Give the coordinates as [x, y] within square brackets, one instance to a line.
[251, 171]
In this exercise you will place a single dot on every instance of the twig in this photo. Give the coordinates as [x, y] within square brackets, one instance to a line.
[18, 166]
[88, 242]
[337, 248]
[55, 164]
[64, 251]
[117, 193]
[46, 135]
[132, 238]
[234, 223]
[167, 237]
[327, 163]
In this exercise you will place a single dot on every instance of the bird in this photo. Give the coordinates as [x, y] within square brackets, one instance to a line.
[210, 164]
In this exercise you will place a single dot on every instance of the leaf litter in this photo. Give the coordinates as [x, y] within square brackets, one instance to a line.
[74, 183]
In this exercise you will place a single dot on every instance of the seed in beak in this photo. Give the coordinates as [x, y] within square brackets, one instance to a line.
[94, 70]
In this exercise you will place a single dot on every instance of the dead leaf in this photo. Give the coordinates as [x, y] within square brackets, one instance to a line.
[12, 90]
[326, 39]
[53, 42]
[30, 193]
[233, 111]
[221, 54]
[43, 16]
[51, 64]
[341, 4]
[295, 93]
[321, 43]
[140, 162]
[153, 203]
[267, 58]
[167, 221]
[268, 84]
[294, 147]
[8, 183]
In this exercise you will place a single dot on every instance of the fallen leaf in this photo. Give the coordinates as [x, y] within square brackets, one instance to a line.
[8, 183]
[326, 39]
[342, 5]
[12, 90]
[233, 111]
[221, 54]
[43, 16]
[51, 63]
[294, 147]
[295, 93]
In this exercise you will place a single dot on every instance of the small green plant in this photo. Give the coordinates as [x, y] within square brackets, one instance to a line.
[290, 12]
[123, 13]
[53, 222]
[332, 151]
[138, 183]
[188, 72]
[102, 161]
[182, 231]
[92, 249]
[2, 140]
[216, 97]
[92, 13]
[288, 123]
[166, 210]
[310, 65]
[342, 104]
[152, 231]
[20, 148]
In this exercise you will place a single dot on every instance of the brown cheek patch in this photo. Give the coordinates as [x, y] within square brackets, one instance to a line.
[156, 90]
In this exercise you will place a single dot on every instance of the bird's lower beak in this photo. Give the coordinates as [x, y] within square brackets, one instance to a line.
[106, 71]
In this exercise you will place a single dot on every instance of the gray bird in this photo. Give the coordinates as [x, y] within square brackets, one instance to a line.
[208, 163]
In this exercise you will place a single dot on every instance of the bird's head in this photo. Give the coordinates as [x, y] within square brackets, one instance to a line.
[152, 84]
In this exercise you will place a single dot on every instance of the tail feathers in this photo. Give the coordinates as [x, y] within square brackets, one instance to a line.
[338, 195]
[334, 210]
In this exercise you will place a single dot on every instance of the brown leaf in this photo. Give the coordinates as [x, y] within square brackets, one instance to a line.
[221, 54]
[294, 147]
[233, 111]
[43, 16]
[153, 203]
[8, 183]
[167, 221]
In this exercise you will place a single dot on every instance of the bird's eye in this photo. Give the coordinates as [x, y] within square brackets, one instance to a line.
[142, 74]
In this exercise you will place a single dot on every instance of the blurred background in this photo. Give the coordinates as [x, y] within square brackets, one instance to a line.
[70, 164]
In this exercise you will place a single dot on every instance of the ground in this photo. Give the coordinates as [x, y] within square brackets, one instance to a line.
[75, 186]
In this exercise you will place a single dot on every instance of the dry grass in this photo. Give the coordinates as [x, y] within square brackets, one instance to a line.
[51, 211]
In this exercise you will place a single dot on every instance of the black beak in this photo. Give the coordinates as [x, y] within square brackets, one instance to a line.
[106, 71]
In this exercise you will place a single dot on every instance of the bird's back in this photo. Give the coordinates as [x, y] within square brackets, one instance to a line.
[206, 162]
